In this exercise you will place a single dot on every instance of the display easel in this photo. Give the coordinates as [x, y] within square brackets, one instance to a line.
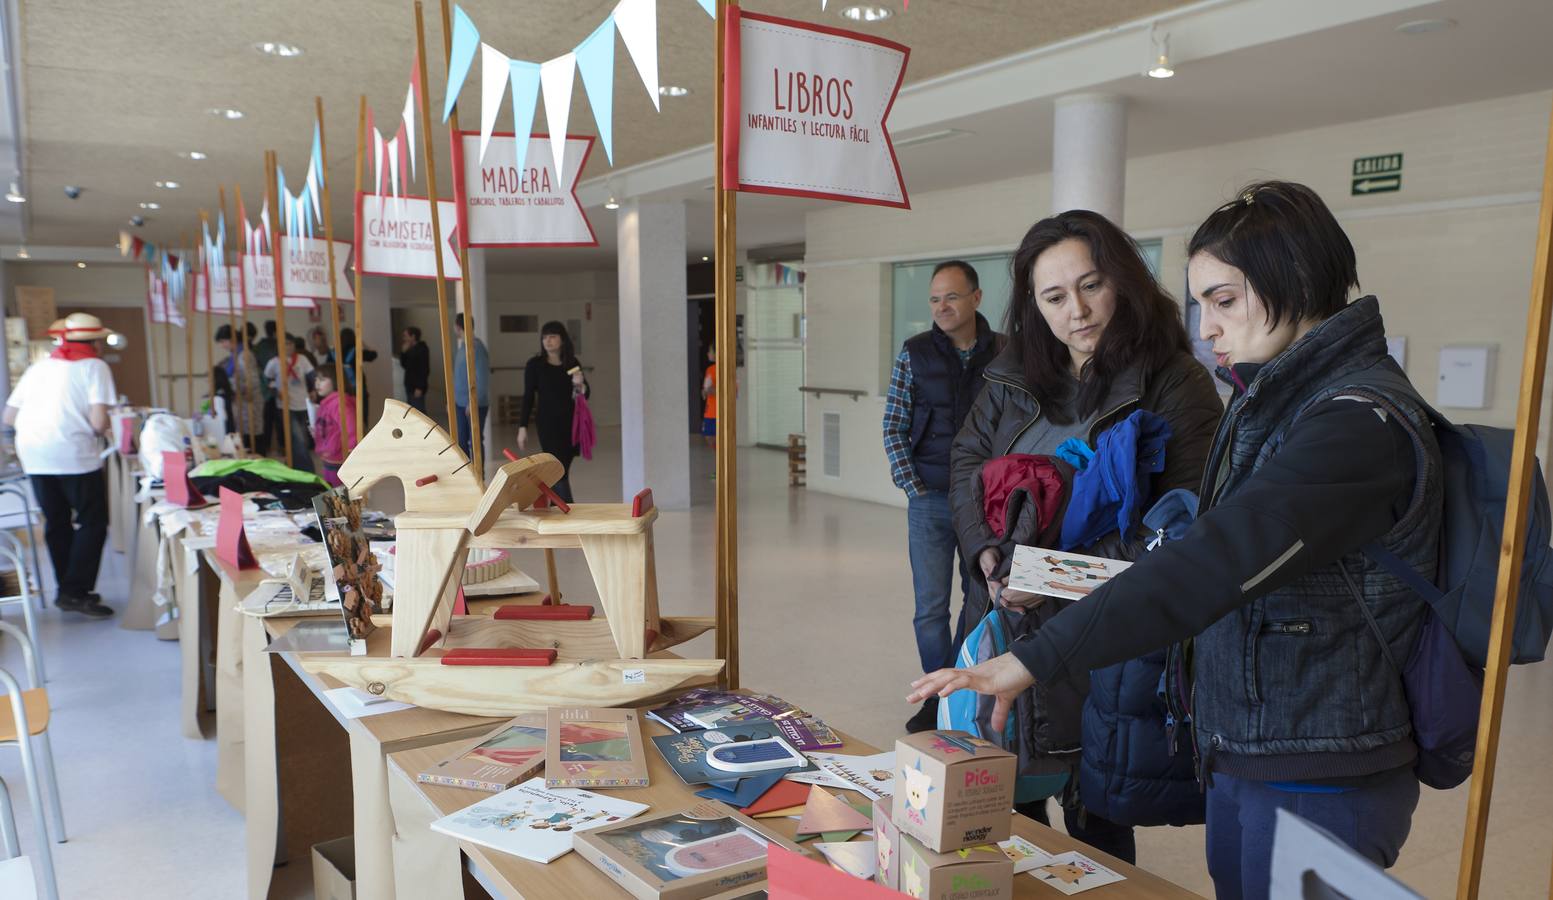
[1522, 475]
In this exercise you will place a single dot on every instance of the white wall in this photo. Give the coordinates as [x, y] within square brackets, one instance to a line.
[1450, 255]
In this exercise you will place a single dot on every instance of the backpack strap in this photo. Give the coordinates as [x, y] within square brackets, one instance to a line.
[1404, 572]
[1358, 596]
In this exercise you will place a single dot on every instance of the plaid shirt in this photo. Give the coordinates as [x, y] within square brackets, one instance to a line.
[897, 429]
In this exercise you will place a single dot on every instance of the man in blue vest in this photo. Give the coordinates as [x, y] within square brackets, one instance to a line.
[936, 379]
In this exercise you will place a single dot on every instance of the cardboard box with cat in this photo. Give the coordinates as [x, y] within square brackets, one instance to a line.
[952, 790]
[982, 872]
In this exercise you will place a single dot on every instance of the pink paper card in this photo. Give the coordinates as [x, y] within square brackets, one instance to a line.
[231, 540]
[793, 876]
[175, 478]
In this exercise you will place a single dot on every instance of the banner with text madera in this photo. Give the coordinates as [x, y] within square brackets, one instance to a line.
[500, 206]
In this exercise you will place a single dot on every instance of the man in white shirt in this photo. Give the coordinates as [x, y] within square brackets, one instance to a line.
[294, 360]
[59, 409]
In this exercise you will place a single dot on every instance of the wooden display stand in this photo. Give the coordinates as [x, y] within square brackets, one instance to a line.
[606, 661]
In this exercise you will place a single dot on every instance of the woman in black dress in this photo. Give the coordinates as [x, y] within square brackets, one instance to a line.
[553, 379]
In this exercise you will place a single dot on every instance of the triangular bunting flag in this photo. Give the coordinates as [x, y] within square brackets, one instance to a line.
[859, 859]
[556, 77]
[408, 116]
[466, 38]
[825, 812]
[596, 62]
[638, 24]
[708, 6]
[493, 85]
[525, 96]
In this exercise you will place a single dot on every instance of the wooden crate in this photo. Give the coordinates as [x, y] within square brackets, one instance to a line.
[797, 460]
[507, 408]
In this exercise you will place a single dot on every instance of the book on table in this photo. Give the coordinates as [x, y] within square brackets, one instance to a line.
[512, 753]
[720, 708]
[535, 822]
[719, 755]
[594, 748]
[1059, 573]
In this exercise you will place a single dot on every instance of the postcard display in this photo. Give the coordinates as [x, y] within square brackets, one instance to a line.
[532, 659]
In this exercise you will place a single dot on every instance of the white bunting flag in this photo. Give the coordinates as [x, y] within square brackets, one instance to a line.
[555, 78]
[493, 87]
[637, 22]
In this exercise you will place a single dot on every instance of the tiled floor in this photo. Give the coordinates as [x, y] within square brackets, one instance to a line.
[824, 605]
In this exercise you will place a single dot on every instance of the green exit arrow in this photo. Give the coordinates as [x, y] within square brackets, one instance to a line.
[1377, 185]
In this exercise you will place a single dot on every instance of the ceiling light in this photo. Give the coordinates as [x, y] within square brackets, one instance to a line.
[225, 112]
[275, 48]
[23, 254]
[150, 206]
[15, 194]
[80, 265]
[865, 13]
[192, 154]
[168, 185]
[706, 259]
[1425, 26]
[672, 90]
[611, 203]
[1161, 67]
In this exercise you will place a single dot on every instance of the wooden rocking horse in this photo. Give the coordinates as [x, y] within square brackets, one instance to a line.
[542, 656]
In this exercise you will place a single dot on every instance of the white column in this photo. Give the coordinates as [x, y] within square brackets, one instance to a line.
[654, 432]
[479, 306]
[1089, 154]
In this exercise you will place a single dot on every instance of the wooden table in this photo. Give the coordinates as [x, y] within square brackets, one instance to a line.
[571, 876]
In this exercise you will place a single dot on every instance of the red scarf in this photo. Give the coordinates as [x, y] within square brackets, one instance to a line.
[75, 351]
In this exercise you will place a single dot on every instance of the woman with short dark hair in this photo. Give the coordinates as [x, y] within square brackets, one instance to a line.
[1294, 693]
[1092, 339]
[552, 380]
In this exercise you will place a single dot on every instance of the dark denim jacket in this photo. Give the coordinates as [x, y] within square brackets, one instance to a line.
[1293, 686]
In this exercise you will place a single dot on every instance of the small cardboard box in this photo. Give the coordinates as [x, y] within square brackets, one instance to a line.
[334, 869]
[887, 841]
[975, 873]
[953, 790]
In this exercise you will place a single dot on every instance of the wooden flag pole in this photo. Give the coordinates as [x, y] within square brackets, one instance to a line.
[1523, 471]
[210, 362]
[334, 297]
[165, 367]
[475, 425]
[188, 327]
[725, 212]
[240, 373]
[255, 417]
[361, 144]
[436, 224]
[283, 349]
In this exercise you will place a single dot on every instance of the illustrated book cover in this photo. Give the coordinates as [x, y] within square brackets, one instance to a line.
[1058, 573]
[687, 753]
[594, 748]
[512, 753]
[533, 821]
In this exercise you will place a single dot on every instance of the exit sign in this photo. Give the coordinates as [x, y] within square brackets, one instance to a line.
[1377, 174]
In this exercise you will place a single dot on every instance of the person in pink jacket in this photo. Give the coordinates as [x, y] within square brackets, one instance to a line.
[330, 436]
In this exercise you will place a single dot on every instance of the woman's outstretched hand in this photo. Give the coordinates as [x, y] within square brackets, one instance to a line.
[1003, 677]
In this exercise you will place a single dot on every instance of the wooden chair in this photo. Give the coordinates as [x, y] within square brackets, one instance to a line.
[29, 724]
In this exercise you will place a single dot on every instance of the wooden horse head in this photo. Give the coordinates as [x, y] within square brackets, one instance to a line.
[408, 445]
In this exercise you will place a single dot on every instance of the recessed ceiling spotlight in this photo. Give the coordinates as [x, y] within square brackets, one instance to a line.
[275, 48]
[15, 194]
[706, 259]
[168, 185]
[225, 112]
[192, 154]
[1425, 26]
[150, 205]
[80, 265]
[672, 90]
[23, 254]
[865, 13]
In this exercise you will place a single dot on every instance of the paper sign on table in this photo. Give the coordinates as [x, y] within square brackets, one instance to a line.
[1024, 854]
[826, 812]
[1074, 873]
[231, 541]
[175, 478]
[859, 859]
[793, 876]
[873, 776]
[354, 703]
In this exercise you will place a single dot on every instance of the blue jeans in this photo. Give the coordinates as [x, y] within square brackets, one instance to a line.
[1373, 819]
[463, 428]
[933, 546]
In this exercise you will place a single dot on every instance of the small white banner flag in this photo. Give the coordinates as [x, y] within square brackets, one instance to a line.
[501, 205]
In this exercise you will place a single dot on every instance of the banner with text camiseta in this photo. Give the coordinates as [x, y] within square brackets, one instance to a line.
[806, 111]
[258, 285]
[499, 206]
[393, 236]
[307, 268]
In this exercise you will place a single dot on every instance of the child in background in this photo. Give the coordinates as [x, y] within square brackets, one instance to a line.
[330, 436]
[709, 392]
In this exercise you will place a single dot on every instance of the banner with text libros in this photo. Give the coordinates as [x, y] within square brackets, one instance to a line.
[501, 206]
[307, 268]
[259, 285]
[393, 236]
[807, 109]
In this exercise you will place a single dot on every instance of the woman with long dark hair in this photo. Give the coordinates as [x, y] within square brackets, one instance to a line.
[552, 381]
[1327, 454]
[1092, 338]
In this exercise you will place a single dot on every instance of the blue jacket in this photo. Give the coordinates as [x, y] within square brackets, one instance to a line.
[482, 375]
[1108, 494]
[942, 391]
